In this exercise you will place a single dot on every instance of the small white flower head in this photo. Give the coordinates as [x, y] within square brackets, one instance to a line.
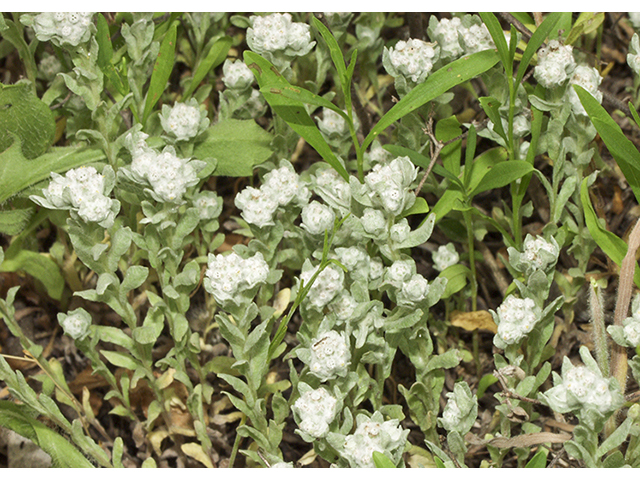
[332, 124]
[445, 34]
[588, 78]
[377, 154]
[555, 64]
[537, 254]
[400, 230]
[285, 185]
[631, 328]
[634, 18]
[475, 37]
[445, 256]
[389, 184]
[317, 218]
[414, 290]
[184, 121]
[461, 410]
[76, 324]
[333, 189]
[343, 306]
[170, 176]
[374, 435]
[236, 75]
[326, 285]
[257, 205]
[229, 276]
[633, 57]
[583, 389]
[515, 318]
[314, 411]
[276, 33]
[209, 205]
[400, 272]
[72, 28]
[330, 356]
[412, 59]
[376, 268]
[355, 259]
[374, 222]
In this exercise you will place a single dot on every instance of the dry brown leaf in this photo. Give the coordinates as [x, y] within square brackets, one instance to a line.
[195, 451]
[520, 441]
[479, 320]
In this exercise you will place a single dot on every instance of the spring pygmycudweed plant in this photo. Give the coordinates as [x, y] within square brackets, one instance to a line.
[372, 231]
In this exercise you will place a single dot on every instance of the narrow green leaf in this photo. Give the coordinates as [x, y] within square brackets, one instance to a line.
[216, 55]
[612, 245]
[502, 174]
[303, 95]
[381, 460]
[120, 359]
[634, 113]
[621, 148]
[491, 107]
[105, 54]
[161, 71]
[338, 59]
[495, 29]
[534, 43]
[447, 77]
[291, 111]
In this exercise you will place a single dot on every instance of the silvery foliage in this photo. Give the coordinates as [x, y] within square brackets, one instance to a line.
[49, 67]
[628, 335]
[239, 99]
[164, 176]
[633, 57]
[412, 59]
[62, 28]
[75, 323]
[584, 391]
[461, 410]
[183, 121]
[84, 192]
[372, 434]
[232, 279]
[313, 411]
[326, 286]
[555, 64]
[634, 18]
[445, 256]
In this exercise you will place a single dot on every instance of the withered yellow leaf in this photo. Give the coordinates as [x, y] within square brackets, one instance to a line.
[479, 320]
[195, 451]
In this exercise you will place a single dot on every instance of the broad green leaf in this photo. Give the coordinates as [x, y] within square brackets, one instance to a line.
[536, 40]
[39, 266]
[617, 438]
[120, 359]
[63, 454]
[447, 130]
[586, 23]
[612, 245]
[237, 145]
[456, 276]
[502, 174]
[14, 34]
[381, 460]
[291, 111]
[216, 55]
[482, 164]
[447, 77]
[161, 71]
[24, 115]
[539, 460]
[12, 222]
[18, 173]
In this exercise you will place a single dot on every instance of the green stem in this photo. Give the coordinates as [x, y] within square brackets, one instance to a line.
[468, 220]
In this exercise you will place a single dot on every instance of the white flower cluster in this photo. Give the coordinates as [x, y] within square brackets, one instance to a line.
[413, 59]
[373, 435]
[76, 323]
[317, 218]
[631, 330]
[445, 33]
[316, 409]
[277, 33]
[458, 36]
[209, 205]
[228, 276]
[414, 290]
[333, 189]
[555, 64]
[461, 410]
[280, 187]
[184, 120]
[326, 285]
[82, 190]
[236, 75]
[72, 28]
[588, 78]
[445, 256]
[538, 253]
[476, 38]
[330, 356]
[389, 185]
[516, 317]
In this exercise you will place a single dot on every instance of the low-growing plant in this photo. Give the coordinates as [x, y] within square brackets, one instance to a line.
[356, 240]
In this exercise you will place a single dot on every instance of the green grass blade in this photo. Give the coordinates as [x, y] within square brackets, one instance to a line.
[534, 43]
[216, 55]
[338, 59]
[621, 148]
[493, 25]
[161, 71]
[291, 111]
[447, 77]
[303, 95]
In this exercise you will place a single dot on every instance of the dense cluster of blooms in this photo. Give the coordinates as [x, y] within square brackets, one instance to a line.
[236, 75]
[183, 121]
[445, 256]
[538, 254]
[71, 28]
[277, 33]
[315, 410]
[75, 323]
[330, 356]
[228, 276]
[515, 318]
[588, 78]
[412, 59]
[461, 410]
[389, 185]
[555, 64]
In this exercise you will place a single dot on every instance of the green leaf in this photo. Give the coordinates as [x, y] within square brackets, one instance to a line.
[456, 276]
[535, 42]
[215, 56]
[63, 454]
[621, 148]
[539, 460]
[39, 266]
[381, 460]
[491, 107]
[237, 145]
[12, 222]
[120, 359]
[291, 111]
[447, 77]
[495, 29]
[161, 71]
[612, 245]
[502, 174]
[14, 34]
[303, 95]
[18, 173]
[105, 54]
[24, 115]
[617, 438]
